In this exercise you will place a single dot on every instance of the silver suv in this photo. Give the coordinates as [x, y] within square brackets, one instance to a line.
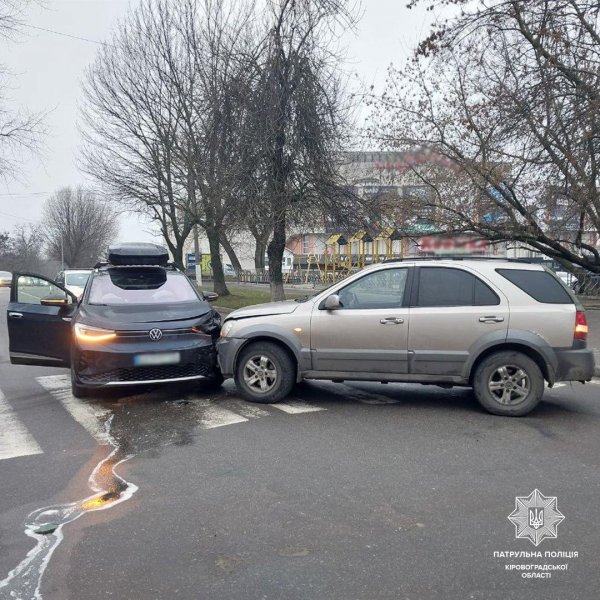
[500, 326]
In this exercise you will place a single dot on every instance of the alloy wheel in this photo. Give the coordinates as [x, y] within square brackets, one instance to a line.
[509, 385]
[260, 374]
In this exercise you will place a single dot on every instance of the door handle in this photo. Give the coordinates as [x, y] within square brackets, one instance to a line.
[391, 321]
[491, 319]
[15, 315]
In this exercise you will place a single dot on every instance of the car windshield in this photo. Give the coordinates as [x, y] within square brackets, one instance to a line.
[147, 285]
[78, 278]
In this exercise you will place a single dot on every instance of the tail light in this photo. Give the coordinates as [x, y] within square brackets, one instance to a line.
[581, 326]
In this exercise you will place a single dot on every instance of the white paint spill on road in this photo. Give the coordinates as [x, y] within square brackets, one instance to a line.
[87, 415]
[295, 407]
[24, 581]
[215, 416]
[15, 440]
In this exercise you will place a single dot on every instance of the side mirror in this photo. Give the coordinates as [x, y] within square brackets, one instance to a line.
[332, 302]
[54, 301]
[210, 296]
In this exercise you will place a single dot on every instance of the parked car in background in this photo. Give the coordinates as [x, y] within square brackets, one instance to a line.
[140, 321]
[228, 270]
[74, 280]
[5, 279]
[499, 326]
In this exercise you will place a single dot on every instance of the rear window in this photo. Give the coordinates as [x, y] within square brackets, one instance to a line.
[540, 285]
[141, 286]
[78, 279]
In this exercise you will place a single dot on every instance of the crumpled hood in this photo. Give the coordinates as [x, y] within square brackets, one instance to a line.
[262, 310]
[117, 317]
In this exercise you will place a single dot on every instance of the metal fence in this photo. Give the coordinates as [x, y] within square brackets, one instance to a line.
[587, 285]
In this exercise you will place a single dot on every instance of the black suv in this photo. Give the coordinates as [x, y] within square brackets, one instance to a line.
[138, 321]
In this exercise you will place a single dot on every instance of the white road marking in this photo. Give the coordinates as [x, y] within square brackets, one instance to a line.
[15, 440]
[251, 411]
[91, 417]
[215, 416]
[295, 407]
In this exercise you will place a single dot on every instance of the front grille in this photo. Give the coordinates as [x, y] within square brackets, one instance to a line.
[132, 333]
[149, 373]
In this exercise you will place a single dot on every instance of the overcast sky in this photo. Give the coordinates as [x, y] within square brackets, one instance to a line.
[48, 69]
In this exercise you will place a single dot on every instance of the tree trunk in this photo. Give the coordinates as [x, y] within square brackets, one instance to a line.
[217, 266]
[235, 262]
[259, 255]
[175, 249]
[275, 251]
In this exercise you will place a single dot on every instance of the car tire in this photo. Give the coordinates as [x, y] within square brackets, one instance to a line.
[508, 383]
[78, 390]
[264, 373]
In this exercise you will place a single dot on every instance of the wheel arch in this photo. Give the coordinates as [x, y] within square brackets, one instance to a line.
[535, 354]
[272, 338]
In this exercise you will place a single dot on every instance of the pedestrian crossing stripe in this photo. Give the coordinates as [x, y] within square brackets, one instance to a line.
[92, 418]
[15, 440]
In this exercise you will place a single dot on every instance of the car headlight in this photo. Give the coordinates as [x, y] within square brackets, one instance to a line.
[87, 333]
[227, 327]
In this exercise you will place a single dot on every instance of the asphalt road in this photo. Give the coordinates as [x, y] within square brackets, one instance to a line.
[344, 492]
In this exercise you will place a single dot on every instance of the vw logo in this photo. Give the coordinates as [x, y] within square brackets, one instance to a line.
[155, 334]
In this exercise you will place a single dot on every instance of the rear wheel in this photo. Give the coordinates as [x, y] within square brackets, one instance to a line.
[508, 383]
[264, 372]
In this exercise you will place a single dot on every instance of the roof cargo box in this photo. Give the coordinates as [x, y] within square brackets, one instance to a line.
[138, 254]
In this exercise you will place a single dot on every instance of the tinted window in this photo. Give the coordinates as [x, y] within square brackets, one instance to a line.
[540, 285]
[484, 296]
[439, 286]
[141, 286]
[382, 289]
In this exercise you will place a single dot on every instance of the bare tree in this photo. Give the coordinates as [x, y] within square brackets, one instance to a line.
[299, 116]
[20, 130]
[164, 119]
[22, 250]
[78, 226]
[508, 92]
[132, 123]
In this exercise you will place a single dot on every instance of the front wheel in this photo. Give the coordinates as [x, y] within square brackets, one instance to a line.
[264, 373]
[509, 384]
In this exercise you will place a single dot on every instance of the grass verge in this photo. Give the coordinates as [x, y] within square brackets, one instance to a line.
[246, 296]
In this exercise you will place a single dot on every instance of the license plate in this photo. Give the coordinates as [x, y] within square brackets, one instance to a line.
[158, 358]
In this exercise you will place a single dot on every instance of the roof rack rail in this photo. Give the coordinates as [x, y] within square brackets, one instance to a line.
[456, 257]
[171, 266]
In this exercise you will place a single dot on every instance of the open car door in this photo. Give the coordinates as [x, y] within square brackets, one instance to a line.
[39, 321]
